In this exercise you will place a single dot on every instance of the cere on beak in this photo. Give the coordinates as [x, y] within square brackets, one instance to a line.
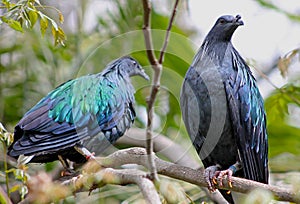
[238, 20]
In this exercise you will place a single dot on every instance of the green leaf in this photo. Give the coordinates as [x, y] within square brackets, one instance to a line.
[6, 3]
[277, 108]
[54, 34]
[60, 17]
[277, 104]
[15, 188]
[33, 16]
[58, 35]
[3, 197]
[43, 25]
[16, 25]
[267, 4]
[4, 19]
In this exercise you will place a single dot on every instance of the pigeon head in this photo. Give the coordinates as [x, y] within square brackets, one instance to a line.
[225, 27]
[129, 66]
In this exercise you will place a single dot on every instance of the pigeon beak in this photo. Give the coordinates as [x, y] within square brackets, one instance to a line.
[238, 20]
[143, 74]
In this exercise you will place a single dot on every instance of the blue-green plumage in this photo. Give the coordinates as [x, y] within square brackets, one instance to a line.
[247, 112]
[92, 111]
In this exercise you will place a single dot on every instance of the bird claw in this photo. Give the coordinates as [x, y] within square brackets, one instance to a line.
[220, 175]
[214, 180]
[209, 175]
[67, 172]
[214, 177]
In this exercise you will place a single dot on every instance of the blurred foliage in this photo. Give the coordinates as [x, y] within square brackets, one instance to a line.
[25, 13]
[283, 137]
[281, 105]
[31, 66]
[41, 186]
[270, 5]
[285, 61]
[6, 138]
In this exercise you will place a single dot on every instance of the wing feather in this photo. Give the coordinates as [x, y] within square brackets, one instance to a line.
[247, 113]
[74, 111]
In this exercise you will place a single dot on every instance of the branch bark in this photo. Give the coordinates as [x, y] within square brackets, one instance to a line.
[147, 32]
[165, 147]
[161, 144]
[169, 149]
[139, 156]
[157, 67]
[118, 177]
[155, 87]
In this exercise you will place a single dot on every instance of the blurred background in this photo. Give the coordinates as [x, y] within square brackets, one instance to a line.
[32, 64]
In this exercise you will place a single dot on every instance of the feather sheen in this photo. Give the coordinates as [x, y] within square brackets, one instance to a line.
[79, 110]
[218, 69]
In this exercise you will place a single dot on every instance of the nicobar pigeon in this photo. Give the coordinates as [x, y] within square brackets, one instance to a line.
[79, 117]
[223, 110]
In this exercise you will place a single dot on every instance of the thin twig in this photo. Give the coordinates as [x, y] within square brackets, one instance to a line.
[263, 75]
[157, 67]
[155, 87]
[147, 32]
[163, 50]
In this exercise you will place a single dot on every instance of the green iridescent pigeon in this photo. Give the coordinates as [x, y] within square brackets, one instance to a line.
[82, 115]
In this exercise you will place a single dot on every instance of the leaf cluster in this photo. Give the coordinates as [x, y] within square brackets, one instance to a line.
[25, 14]
[283, 137]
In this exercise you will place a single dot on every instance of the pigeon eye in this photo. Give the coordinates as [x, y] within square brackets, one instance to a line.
[222, 21]
[134, 63]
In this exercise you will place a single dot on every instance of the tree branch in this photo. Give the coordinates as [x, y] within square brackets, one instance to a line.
[93, 180]
[169, 149]
[157, 67]
[162, 144]
[147, 32]
[155, 87]
[139, 156]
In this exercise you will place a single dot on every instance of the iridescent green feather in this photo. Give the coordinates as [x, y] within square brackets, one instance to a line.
[88, 95]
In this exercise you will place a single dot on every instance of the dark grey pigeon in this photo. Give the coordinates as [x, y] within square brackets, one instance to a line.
[223, 110]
